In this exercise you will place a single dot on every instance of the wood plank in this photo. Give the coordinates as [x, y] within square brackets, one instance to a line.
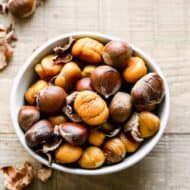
[166, 167]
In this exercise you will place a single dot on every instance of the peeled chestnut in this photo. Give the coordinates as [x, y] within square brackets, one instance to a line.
[149, 124]
[22, 8]
[116, 53]
[148, 92]
[114, 150]
[51, 99]
[106, 80]
[96, 137]
[73, 133]
[91, 108]
[28, 115]
[84, 84]
[130, 144]
[32, 92]
[68, 153]
[56, 120]
[86, 72]
[120, 107]
[92, 157]
[40, 133]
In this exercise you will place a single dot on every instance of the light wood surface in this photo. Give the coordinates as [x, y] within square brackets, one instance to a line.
[162, 29]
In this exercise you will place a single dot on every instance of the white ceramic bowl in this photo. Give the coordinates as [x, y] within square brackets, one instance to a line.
[26, 76]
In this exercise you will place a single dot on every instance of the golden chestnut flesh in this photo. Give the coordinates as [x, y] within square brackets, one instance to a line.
[93, 157]
[120, 107]
[106, 80]
[149, 124]
[40, 133]
[130, 144]
[91, 108]
[84, 84]
[69, 75]
[96, 137]
[47, 68]
[116, 53]
[73, 133]
[135, 69]
[51, 99]
[68, 154]
[148, 92]
[33, 91]
[28, 115]
[114, 150]
[86, 72]
[58, 119]
[88, 50]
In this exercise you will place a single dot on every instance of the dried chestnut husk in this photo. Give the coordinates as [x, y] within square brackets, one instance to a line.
[148, 92]
[51, 99]
[27, 116]
[106, 80]
[40, 133]
[120, 107]
[68, 108]
[132, 127]
[116, 53]
[73, 133]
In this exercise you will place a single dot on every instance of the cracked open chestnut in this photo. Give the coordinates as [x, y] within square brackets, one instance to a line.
[73, 133]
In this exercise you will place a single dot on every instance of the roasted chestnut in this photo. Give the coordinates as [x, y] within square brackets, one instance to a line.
[135, 69]
[69, 75]
[149, 124]
[86, 72]
[92, 157]
[96, 137]
[120, 107]
[68, 153]
[40, 133]
[91, 108]
[116, 53]
[51, 99]
[73, 133]
[130, 144]
[84, 84]
[58, 119]
[32, 92]
[106, 80]
[148, 92]
[114, 150]
[28, 115]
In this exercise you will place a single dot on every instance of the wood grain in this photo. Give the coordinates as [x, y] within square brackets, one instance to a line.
[162, 29]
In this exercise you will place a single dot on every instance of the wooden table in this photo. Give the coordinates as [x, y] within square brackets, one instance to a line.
[161, 28]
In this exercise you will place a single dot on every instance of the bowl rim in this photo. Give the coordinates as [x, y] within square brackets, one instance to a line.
[104, 170]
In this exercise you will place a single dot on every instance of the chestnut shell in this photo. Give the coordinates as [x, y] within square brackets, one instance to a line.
[106, 80]
[40, 133]
[148, 92]
[51, 99]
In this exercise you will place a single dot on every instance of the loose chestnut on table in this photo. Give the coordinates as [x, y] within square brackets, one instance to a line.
[91, 104]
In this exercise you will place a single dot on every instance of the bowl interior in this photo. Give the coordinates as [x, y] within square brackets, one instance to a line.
[26, 77]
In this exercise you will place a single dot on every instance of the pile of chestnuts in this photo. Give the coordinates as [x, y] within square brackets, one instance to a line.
[93, 104]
